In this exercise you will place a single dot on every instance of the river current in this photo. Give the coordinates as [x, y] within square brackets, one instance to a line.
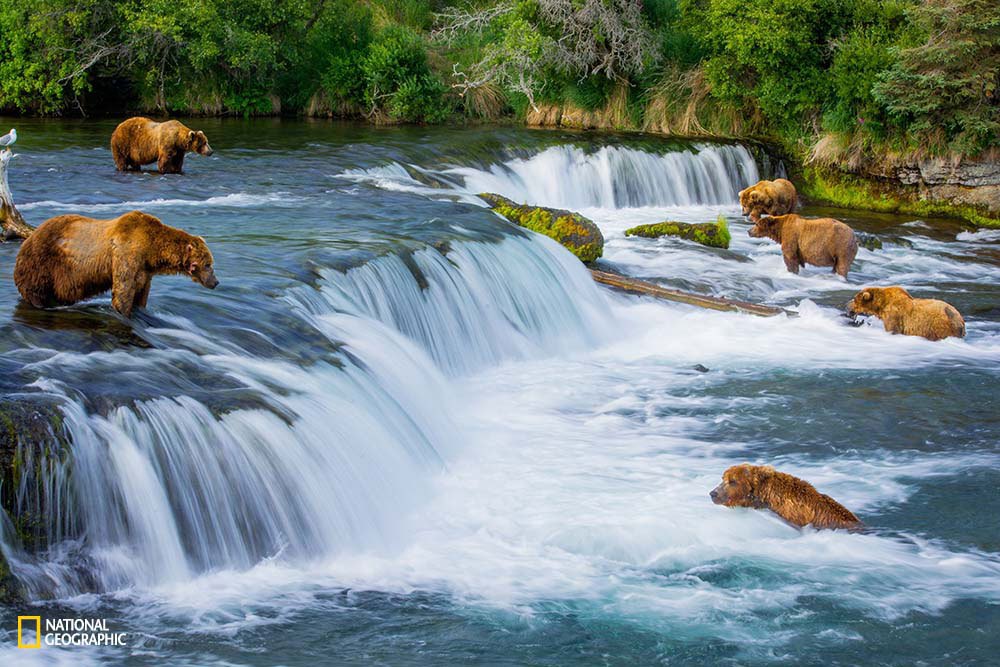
[402, 431]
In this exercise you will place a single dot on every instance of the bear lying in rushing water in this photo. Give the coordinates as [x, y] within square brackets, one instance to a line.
[70, 258]
[816, 241]
[776, 197]
[902, 314]
[139, 141]
[793, 499]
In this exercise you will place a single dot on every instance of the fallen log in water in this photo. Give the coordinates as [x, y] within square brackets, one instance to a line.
[12, 223]
[635, 286]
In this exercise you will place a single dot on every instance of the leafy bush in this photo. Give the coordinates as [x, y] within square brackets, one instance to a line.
[398, 80]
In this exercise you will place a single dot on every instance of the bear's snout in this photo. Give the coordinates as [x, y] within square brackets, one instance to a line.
[207, 151]
[716, 495]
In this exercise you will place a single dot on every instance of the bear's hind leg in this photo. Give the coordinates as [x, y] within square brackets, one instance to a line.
[841, 267]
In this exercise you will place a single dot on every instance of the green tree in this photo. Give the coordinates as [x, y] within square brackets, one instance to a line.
[946, 90]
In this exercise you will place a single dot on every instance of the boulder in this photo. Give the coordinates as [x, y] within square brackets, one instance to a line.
[578, 234]
[870, 241]
[713, 234]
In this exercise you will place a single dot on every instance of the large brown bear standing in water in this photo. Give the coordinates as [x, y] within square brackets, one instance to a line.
[793, 499]
[140, 141]
[70, 258]
[819, 241]
[902, 314]
[776, 197]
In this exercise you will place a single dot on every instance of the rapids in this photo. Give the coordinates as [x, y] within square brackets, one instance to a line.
[401, 430]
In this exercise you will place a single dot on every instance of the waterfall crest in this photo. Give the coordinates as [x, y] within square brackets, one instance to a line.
[619, 177]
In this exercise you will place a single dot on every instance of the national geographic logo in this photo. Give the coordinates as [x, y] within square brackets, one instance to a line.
[66, 632]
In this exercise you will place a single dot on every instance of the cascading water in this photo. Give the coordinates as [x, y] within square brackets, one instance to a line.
[404, 431]
[619, 177]
[166, 489]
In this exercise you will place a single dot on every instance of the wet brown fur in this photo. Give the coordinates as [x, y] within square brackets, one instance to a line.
[794, 500]
[816, 241]
[902, 314]
[776, 197]
[139, 141]
[70, 258]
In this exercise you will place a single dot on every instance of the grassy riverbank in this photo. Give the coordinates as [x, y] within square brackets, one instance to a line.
[841, 83]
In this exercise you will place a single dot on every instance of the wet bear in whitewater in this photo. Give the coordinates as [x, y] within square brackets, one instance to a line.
[139, 141]
[902, 314]
[70, 258]
[794, 500]
[818, 241]
[776, 197]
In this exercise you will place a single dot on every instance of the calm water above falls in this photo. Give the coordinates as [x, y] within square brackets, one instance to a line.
[400, 431]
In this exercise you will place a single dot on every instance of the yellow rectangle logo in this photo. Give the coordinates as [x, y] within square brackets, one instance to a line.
[38, 631]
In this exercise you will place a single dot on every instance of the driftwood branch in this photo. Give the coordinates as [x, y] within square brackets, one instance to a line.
[11, 222]
[635, 286]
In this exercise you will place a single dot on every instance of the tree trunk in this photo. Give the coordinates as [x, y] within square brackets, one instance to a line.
[711, 302]
[12, 224]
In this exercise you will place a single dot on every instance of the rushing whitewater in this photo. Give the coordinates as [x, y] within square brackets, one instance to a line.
[404, 431]
[167, 489]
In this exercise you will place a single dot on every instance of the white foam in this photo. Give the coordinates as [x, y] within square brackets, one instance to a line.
[233, 200]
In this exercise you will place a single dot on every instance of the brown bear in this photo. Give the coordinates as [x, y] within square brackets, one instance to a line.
[139, 141]
[816, 241]
[902, 314]
[793, 499]
[70, 258]
[776, 197]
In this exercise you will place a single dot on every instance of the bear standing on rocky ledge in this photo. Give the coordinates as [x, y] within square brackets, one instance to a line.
[139, 141]
[70, 258]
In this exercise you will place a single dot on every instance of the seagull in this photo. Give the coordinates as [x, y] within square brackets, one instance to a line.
[9, 138]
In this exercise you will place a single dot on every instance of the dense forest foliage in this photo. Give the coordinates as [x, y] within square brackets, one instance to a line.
[845, 79]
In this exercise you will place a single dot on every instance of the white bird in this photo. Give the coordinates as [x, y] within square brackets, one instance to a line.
[9, 138]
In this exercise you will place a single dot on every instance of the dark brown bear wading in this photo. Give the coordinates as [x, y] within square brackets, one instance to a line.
[776, 197]
[816, 241]
[902, 314]
[139, 141]
[70, 258]
[794, 500]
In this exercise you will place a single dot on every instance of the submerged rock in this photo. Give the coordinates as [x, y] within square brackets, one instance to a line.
[869, 241]
[578, 234]
[712, 234]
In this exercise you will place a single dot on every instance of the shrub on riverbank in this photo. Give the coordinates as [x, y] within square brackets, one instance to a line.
[868, 78]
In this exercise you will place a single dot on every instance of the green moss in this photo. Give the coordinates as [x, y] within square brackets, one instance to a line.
[576, 233]
[713, 234]
[857, 193]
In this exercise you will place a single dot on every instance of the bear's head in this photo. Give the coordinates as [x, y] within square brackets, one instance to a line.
[768, 227]
[739, 485]
[198, 263]
[873, 300]
[753, 200]
[197, 142]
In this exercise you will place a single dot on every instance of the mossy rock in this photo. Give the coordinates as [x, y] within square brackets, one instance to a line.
[31, 431]
[712, 234]
[869, 241]
[578, 234]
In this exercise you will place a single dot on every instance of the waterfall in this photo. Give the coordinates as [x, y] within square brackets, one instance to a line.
[619, 177]
[474, 306]
[332, 454]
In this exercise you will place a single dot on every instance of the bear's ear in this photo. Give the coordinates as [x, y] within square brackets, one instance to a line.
[866, 296]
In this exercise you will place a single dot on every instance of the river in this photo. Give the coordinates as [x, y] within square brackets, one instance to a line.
[401, 431]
